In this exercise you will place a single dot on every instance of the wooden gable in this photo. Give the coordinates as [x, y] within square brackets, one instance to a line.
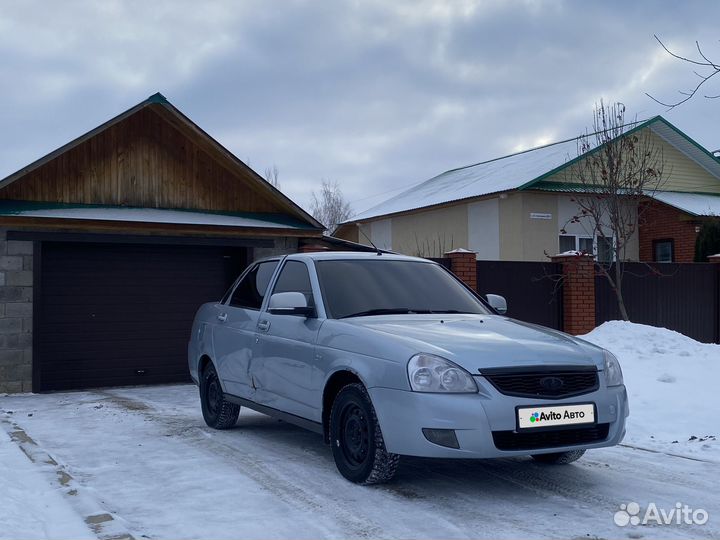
[153, 157]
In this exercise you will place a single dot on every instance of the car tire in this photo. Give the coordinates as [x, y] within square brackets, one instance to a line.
[357, 442]
[218, 412]
[559, 458]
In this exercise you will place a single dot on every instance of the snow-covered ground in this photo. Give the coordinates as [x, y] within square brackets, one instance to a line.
[672, 384]
[145, 457]
[30, 507]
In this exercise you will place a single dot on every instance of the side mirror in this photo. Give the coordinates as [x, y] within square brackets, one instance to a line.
[289, 303]
[497, 302]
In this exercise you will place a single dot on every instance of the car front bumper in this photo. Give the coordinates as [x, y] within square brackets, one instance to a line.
[474, 417]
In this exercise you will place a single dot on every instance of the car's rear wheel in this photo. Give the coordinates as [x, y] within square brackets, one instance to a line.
[217, 411]
[357, 442]
[559, 458]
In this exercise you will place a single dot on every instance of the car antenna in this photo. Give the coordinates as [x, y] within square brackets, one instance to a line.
[379, 252]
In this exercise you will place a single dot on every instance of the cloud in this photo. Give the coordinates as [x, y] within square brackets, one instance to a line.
[376, 95]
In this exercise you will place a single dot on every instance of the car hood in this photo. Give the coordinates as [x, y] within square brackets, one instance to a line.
[483, 341]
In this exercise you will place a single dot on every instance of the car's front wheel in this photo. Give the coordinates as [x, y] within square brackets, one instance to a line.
[217, 411]
[357, 442]
[559, 458]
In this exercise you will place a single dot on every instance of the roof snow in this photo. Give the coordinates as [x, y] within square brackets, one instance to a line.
[520, 170]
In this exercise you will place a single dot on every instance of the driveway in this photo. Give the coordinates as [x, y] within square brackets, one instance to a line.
[144, 458]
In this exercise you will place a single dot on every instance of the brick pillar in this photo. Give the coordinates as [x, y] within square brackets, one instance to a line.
[578, 292]
[464, 265]
[714, 258]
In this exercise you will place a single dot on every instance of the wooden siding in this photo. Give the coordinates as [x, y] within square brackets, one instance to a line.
[145, 161]
[682, 173]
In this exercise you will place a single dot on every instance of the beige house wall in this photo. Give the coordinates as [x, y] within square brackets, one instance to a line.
[431, 233]
[511, 238]
[528, 226]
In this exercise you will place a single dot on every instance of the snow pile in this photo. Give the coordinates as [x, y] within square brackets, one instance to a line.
[29, 506]
[672, 383]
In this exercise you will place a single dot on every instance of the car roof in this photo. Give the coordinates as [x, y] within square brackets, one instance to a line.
[353, 255]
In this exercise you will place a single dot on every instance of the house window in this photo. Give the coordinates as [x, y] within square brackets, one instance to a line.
[663, 250]
[567, 243]
[570, 242]
[604, 251]
[585, 244]
[601, 247]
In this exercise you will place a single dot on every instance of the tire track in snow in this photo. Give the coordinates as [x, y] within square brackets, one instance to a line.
[293, 466]
[256, 469]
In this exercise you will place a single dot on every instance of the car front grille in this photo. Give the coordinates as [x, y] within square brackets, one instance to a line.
[551, 383]
[536, 440]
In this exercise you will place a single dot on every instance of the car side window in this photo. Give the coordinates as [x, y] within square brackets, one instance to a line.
[294, 277]
[251, 290]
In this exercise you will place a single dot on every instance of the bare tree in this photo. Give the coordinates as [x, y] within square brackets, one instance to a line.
[329, 206]
[621, 169]
[704, 68]
[431, 246]
[271, 175]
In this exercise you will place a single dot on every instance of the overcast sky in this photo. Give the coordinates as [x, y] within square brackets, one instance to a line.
[377, 95]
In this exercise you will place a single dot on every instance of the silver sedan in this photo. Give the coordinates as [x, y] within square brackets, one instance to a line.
[387, 355]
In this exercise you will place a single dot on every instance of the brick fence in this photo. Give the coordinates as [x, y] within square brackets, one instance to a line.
[680, 296]
[463, 264]
[578, 272]
[578, 290]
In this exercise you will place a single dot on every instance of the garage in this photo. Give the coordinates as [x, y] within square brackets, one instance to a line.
[109, 244]
[119, 314]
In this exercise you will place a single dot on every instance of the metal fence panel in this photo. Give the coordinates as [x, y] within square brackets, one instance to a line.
[681, 296]
[445, 261]
[531, 289]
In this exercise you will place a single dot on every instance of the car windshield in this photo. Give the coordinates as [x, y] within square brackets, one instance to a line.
[354, 288]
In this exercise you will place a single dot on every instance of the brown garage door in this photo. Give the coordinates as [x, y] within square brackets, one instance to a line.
[120, 314]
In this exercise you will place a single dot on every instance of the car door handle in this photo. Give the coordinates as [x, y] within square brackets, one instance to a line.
[222, 317]
[263, 325]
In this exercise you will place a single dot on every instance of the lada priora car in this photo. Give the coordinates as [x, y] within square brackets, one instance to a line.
[387, 355]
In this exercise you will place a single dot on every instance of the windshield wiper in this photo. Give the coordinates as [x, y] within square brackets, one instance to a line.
[449, 311]
[401, 311]
[381, 311]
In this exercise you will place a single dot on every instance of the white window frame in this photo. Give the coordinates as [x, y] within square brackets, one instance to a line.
[587, 236]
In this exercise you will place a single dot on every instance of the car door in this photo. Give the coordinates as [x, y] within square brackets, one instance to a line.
[235, 327]
[284, 350]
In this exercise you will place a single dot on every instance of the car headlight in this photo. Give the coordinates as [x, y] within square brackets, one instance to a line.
[430, 373]
[613, 373]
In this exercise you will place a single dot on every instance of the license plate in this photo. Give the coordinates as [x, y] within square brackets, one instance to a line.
[556, 415]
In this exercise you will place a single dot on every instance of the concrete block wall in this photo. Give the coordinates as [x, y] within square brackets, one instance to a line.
[16, 311]
[282, 246]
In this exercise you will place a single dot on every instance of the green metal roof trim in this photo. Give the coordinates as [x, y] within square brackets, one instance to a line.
[562, 187]
[571, 162]
[659, 124]
[175, 216]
